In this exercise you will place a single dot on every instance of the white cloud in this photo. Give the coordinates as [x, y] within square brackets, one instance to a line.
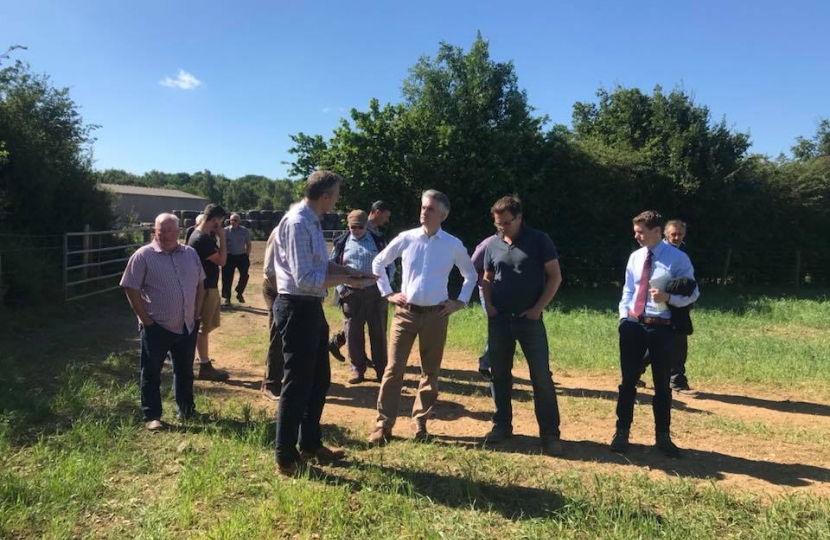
[184, 81]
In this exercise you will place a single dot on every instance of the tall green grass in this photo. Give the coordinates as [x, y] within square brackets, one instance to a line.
[75, 461]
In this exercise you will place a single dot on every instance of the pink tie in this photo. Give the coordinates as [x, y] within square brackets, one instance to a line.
[642, 289]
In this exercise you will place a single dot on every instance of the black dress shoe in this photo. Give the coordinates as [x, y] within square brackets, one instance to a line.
[334, 349]
[620, 442]
[665, 445]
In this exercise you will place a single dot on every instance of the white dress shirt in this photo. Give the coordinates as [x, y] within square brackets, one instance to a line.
[427, 262]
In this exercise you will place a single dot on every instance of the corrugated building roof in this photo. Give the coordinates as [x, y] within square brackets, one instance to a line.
[141, 190]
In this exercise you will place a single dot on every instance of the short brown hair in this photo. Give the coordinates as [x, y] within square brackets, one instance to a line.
[508, 203]
[649, 218]
[213, 211]
[320, 183]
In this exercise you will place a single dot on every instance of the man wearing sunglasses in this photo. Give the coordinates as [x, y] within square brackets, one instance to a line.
[361, 306]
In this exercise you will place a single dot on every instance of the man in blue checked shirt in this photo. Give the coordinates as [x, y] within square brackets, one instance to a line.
[303, 273]
[361, 306]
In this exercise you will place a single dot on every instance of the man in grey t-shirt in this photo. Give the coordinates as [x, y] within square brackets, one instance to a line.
[239, 252]
[521, 277]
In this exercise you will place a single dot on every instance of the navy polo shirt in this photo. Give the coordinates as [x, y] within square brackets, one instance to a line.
[519, 269]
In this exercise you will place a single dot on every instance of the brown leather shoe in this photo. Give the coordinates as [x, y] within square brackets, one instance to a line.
[380, 436]
[323, 454]
[292, 469]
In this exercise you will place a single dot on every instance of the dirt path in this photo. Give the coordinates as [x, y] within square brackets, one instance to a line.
[770, 443]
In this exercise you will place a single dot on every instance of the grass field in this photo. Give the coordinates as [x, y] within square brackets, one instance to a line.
[75, 461]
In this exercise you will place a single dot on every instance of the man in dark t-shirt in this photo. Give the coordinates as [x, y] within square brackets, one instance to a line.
[203, 240]
[521, 277]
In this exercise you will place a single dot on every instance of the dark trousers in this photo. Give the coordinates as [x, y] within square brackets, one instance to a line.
[156, 342]
[635, 340]
[241, 262]
[362, 307]
[680, 351]
[304, 331]
[503, 331]
[274, 362]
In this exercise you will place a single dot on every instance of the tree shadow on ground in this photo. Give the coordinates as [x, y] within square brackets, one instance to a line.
[735, 300]
[514, 502]
[786, 405]
[694, 463]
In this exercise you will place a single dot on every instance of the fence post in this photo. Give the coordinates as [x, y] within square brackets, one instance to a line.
[87, 244]
[726, 263]
[65, 267]
[797, 268]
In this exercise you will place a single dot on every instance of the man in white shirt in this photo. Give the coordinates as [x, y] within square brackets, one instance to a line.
[422, 310]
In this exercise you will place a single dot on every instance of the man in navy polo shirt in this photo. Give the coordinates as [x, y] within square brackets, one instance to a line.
[521, 277]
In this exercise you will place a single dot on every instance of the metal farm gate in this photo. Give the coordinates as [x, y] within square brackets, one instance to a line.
[94, 261]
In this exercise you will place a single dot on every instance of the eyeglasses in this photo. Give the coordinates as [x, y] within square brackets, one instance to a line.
[357, 227]
[234, 221]
[504, 224]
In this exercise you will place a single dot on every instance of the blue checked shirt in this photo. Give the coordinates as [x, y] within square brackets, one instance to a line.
[300, 258]
[358, 254]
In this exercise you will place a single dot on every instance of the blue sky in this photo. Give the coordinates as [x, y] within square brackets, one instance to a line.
[183, 85]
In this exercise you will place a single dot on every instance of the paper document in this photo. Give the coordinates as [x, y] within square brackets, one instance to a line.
[660, 282]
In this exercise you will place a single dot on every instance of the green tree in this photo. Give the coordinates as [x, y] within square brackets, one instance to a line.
[819, 145]
[46, 178]
[464, 127]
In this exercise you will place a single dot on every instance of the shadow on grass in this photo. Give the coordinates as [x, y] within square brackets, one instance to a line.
[787, 406]
[514, 502]
[734, 299]
[693, 464]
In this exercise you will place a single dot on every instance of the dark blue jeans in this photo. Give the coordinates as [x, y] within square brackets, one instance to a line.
[305, 333]
[635, 340]
[504, 330]
[156, 342]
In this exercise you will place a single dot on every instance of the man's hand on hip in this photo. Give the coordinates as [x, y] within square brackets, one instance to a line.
[398, 299]
[450, 307]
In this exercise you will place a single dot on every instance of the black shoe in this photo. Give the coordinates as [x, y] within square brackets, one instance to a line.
[240, 298]
[619, 443]
[680, 384]
[334, 349]
[497, 434]
[665, 445]
[357, 379]
[552, 446]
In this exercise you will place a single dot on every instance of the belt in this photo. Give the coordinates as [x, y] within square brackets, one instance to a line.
[422, 309]
[654, 321]
[301, 298]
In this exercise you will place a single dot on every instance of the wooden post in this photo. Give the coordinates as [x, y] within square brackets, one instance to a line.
[726, 263]
[797, 268]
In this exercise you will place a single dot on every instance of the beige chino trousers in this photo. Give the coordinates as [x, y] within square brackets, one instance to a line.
[431, 331]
